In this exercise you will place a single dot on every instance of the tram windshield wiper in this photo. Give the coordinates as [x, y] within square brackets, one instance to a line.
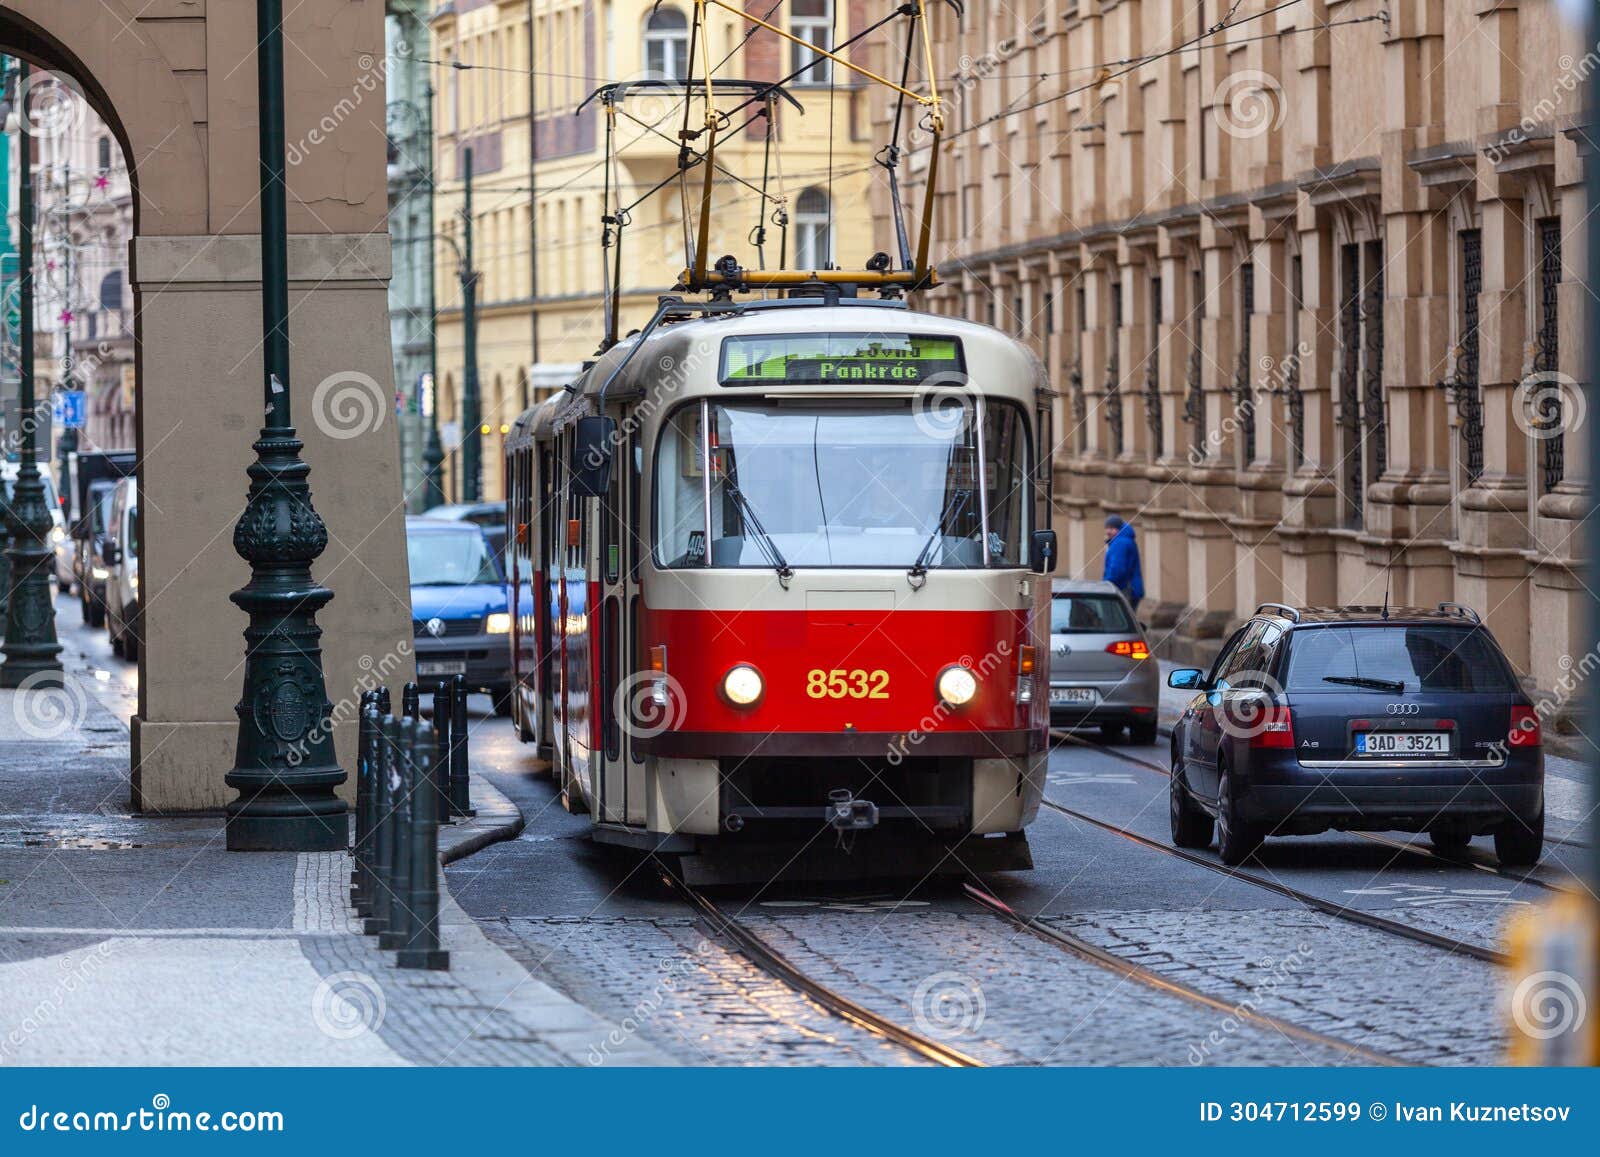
[919, 567]
[1363, 681]
[763, 539]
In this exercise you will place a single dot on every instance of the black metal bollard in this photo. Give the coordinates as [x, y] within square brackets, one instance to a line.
[360, 884]
[410, 702]
[397, 930]
[381, 863]
[422, 949]
[460, 795]
[443, 713]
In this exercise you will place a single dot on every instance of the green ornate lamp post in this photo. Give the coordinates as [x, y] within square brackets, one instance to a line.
[284, 770]
[31, 649]
[433, 452]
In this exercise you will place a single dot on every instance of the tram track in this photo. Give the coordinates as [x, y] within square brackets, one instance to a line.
[1104, 958]
[1310, 900]
[767, 958]
[1416, 850]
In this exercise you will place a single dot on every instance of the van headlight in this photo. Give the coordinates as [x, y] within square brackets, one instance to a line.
[99, 573]
[498, 623]
[957, 685]
[743, 685]
[57, 535]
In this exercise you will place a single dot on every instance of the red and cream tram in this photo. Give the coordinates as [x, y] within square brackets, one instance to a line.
[777, 572]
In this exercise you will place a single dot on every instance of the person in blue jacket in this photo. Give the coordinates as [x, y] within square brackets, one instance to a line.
[1122, 560]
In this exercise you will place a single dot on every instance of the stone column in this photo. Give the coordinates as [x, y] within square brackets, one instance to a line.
[199, 409]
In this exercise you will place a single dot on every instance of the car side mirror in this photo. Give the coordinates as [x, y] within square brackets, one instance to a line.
[110, 553]
[593, 439]
[1042, 552]
[1186, 679]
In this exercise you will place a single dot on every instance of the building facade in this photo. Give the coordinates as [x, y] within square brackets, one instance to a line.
[409, 122]
[511, 79]
[1309, 287]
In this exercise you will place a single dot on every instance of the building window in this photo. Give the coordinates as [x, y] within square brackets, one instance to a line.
[813, 230]
[1354, 475]
[1374, 419]
[1469, 403]
[1152, 376]
[1547, 360]
[103, 154]
[811, 21]
[666, 45]
[1194, 399]
[1244, 394]
[1113, 386]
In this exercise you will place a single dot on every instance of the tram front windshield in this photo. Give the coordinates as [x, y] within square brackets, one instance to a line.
[819, 483]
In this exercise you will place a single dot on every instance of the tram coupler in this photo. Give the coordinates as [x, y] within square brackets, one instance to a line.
[848, 814]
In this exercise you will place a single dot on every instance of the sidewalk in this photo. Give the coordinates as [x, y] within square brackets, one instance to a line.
[128, 940]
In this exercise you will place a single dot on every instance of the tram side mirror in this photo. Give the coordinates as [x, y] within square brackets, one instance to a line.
[593, 440]
[1042, 552]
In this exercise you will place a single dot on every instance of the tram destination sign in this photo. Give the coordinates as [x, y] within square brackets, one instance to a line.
[825, 359]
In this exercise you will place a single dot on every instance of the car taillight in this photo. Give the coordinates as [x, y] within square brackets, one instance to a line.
[1276, 729]
[1129, 649]
[1524, 728]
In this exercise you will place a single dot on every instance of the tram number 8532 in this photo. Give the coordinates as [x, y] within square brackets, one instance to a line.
[841, 684]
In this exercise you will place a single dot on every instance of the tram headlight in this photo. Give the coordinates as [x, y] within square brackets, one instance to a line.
[957, 685]
[499, 623]
[743, 685]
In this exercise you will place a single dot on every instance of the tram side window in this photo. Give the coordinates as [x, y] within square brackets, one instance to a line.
[680, 493]
[1009, 483]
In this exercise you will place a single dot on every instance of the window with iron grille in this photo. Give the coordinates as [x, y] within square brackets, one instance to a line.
[1244, 400]
[1194, 403]
[1152, 376]
[1294, 400]
[1113, 387]
[1080, 402]
[1373, 414]
[1350, 382]
[1469, 403]
[1547, 358]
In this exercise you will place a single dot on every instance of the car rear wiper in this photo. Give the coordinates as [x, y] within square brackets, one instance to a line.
[1363, 681]
[764, 540]
[919, 567]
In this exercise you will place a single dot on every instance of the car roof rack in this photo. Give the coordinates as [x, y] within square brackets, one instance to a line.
[1461, 610]
[1288, 612]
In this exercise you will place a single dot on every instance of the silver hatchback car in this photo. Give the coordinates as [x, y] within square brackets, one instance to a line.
[1101, 670]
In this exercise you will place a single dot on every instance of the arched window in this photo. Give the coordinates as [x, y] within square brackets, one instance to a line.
[666, 45]
[813, 230]
[811, 21]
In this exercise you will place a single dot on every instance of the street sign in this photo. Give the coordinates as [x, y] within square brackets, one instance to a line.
[450, 436]
[69, 409]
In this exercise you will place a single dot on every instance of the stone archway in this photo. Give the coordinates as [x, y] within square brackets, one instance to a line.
[176, 81]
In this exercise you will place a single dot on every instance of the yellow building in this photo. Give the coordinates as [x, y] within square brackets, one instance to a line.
[539, 320]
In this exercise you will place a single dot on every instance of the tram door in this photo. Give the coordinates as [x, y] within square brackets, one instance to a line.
[556, 572]
[543, 595]
[634, 548]
[613, 557]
